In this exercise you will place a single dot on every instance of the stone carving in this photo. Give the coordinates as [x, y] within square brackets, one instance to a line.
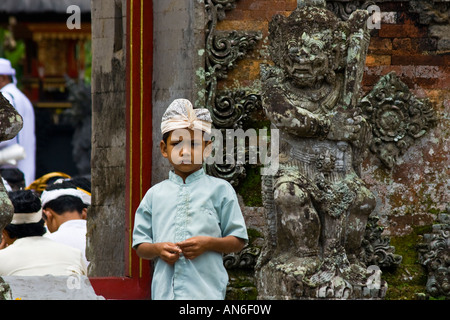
[431, 11]
[10, 125]
[397, 118]
[376, 248]
[246, 258]
[228, 109]
[434, 254]
[5, 290]
[436, 15]
[317, 206]
[343, 9]
[231, 110]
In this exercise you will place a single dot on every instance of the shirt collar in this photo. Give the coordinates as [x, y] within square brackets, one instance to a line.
[74, 222]
[191, 178]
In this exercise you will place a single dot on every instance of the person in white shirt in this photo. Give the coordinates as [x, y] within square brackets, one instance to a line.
[25, 252]
[26, 137]
[64, 207]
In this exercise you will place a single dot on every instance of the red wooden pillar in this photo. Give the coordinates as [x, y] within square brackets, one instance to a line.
[139, 117]
[136, 282]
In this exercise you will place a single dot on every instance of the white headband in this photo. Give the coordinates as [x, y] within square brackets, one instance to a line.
[25, 218]
[7, 69]
[181, 114]
[48, 196]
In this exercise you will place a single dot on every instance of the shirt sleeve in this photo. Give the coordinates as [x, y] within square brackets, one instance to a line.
[142, 231]
[231, 219]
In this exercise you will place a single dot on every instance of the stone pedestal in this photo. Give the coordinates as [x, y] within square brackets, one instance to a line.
[278, 281]
[47, 288]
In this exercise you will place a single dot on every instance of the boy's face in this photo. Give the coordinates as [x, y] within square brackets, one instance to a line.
[185, 150]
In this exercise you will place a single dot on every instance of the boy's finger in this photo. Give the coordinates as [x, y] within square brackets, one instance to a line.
[184, 244]
[173, 248]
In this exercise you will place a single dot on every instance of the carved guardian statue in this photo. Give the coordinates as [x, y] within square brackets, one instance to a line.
[10, 125]
[316, 205]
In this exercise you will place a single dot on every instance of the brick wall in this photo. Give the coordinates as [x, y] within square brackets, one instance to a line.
[406, 46]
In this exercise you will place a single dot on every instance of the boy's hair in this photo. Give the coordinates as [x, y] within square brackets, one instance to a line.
[25, 201]
[18, 231]
[65, 204]
[166, 136]
[81, 182]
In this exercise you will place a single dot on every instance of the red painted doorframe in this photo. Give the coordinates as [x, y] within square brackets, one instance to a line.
[135, 284]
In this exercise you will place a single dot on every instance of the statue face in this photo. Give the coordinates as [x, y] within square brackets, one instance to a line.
[306, 59]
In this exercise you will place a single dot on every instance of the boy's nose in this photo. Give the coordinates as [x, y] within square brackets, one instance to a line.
[185, 152]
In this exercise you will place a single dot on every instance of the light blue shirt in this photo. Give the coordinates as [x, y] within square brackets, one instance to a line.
[173, 211]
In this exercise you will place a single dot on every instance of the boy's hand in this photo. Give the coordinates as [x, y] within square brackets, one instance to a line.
[169, 252]
[194, 247]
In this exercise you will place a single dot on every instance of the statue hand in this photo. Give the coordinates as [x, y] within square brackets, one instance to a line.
[345, 127]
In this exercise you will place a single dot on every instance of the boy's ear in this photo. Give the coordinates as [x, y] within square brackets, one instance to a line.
[84, 214]
[163, 147]
[48, 215]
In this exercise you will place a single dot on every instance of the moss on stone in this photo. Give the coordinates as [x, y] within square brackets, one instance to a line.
[408, 280]
[250, 187]
[241, 285]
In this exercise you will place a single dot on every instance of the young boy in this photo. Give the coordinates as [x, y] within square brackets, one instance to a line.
[185, 223]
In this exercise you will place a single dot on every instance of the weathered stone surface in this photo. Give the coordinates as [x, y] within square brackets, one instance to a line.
[10, 125]
[5, 290]
[316, 205]
[397, 117]
[106, 223]
[434, 255]
[50, 288]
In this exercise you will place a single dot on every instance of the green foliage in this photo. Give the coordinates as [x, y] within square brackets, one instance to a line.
[16, 55]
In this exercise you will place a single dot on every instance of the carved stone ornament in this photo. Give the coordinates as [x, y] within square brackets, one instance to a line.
[434, 255]
[343, 9]
[431, 11]
[376, 248]
[397, 117]
[316, 205]
[245, 259]
[436, 15]
[228, 108]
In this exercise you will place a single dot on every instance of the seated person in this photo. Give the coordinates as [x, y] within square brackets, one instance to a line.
[64, 207]
[26, 252]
